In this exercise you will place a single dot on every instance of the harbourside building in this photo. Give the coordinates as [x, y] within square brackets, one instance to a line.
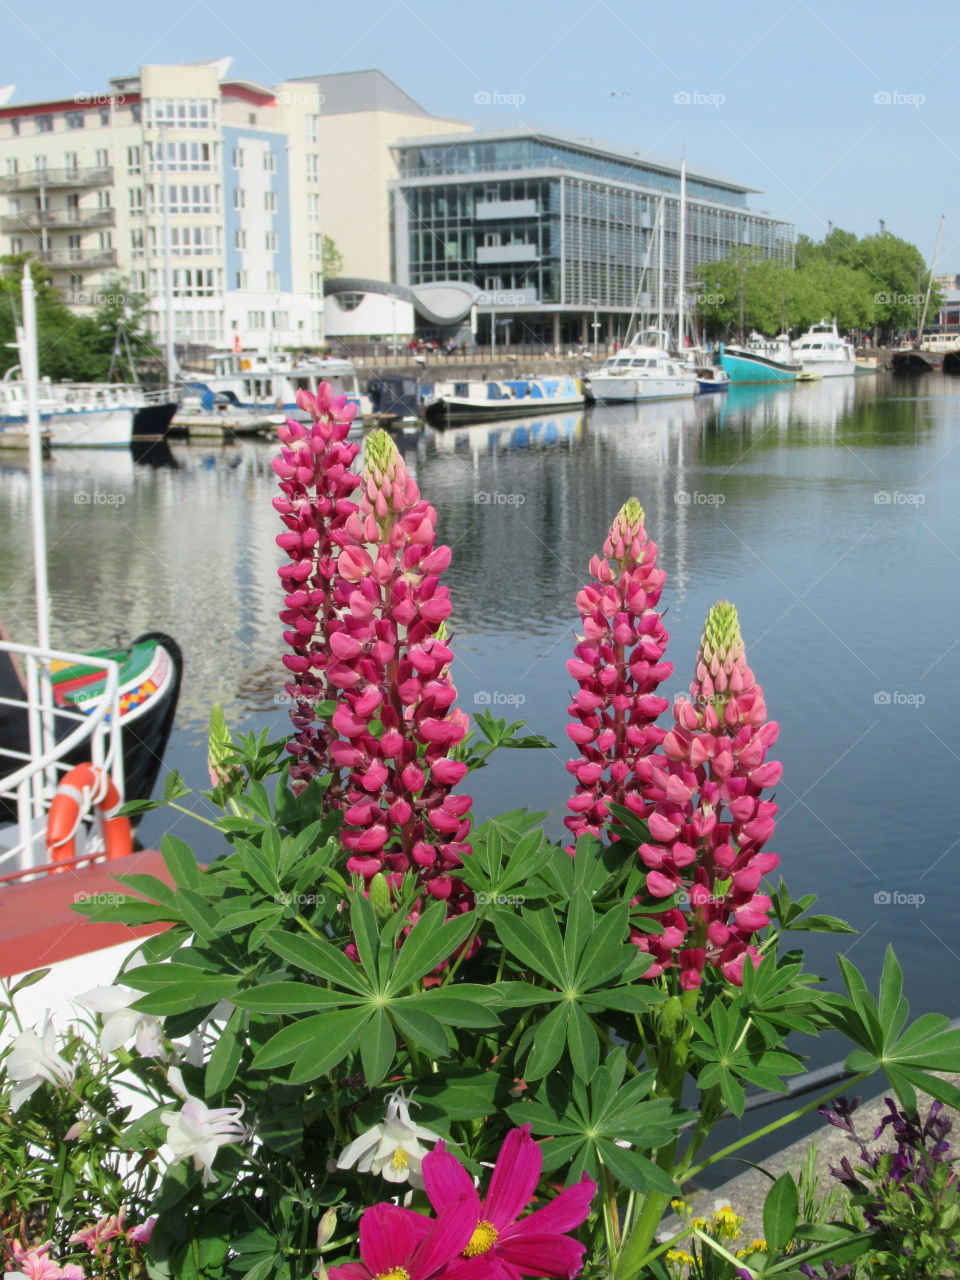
[561, 237]
[241, 180]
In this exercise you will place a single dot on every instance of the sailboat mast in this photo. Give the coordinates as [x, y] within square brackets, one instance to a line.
[660, 272]
[167, 270]
[682, 258]
[27, 342]
[933, 267]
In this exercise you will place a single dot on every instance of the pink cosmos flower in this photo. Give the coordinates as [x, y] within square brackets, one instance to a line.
[396, 1244]
[535, 1245]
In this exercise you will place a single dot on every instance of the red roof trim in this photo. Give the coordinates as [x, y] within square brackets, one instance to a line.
[258, 99]
[81, 102]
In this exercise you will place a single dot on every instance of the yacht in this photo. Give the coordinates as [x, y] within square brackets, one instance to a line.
[84, 414]
[644, 370]
[821, 351]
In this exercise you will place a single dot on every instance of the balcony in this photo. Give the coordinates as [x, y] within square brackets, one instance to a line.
[507, 253]
[487, 209]
[35, 219]
[34, 179]
[78, 259]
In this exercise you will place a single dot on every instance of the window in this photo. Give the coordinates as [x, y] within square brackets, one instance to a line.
[40, 163]
[73, 248]
[183, 156]
[135, 197]
[314, 246]
[239, 239]
[16, 244]
[103, 199]
[269, 162]
[76, 288]
[238, 157]
[136, 243]
[76, 119]
[273, 281]
[133, 160]
[70, 160]
[270, 201]
[240, 280]
[106, 239]
[256, 319]
[316, 284]
[239, 199]
[185, 198]
[135, 113]
[13, 204]
[271, 242]
[280, 320]
[44, 124]
[105, 116]
[12, 164]
[189, 282]
[313, 207]
[103, 158]
[312, 128]
[185, 113]
[313, 168]
[15, 128]
[138, 281]
[73, 205]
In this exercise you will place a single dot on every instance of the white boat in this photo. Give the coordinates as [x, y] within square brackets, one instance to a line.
[823, 352]
[478, 400]
[269, 381]
[644, 370]
[99, 415]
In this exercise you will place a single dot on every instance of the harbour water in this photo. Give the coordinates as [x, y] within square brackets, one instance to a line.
[827, 512]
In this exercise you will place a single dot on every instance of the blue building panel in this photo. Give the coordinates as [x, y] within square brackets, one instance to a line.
[278, 183]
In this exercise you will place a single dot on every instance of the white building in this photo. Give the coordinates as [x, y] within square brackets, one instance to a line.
[240, 180]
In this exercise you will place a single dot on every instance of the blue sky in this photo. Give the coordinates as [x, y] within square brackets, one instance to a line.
[837, 112]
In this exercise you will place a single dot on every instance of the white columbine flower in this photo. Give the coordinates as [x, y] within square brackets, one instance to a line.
[198, 1130]
[32, 1060]
[392, 1148]
[121, 1024]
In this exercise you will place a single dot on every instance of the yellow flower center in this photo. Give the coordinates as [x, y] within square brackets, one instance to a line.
[398, 1161]
[398, 1273]
[483, 1239]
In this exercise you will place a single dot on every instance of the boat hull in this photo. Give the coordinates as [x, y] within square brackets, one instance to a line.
[93, 429]
[742, 366]
[152, 421]
[447, 409]
[829, 368]
[632, 390]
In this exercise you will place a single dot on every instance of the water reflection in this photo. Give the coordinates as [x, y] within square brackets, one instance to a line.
[827, 511]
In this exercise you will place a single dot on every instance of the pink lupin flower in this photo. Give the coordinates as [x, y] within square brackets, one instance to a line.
[537, 1244]
[315, 482]
[707, 822]
[397, 720]
[618, 665]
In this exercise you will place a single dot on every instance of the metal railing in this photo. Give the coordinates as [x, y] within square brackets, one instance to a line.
[35, 219]
[32, 179]
[29, 787]
[85, 259]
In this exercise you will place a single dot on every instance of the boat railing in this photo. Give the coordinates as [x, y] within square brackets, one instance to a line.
[55, 733]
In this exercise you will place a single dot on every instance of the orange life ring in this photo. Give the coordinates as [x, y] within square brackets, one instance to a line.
[82, 787]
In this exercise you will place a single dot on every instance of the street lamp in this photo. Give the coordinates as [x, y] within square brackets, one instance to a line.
[595, 327]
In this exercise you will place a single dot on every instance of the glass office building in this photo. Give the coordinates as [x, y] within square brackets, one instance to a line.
[562, 237]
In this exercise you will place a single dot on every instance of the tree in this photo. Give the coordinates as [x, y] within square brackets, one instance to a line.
[332, 259]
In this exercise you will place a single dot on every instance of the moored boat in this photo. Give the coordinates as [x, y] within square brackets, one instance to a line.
[642, 370]
[509, 398]
[760, 360]
[269, 381]
[822, 351]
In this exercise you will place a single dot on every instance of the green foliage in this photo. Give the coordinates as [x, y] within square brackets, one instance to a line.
[332, 258]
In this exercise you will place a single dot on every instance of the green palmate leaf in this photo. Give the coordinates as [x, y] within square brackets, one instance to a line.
[378, 1047]
[174, 786]
[635, 1170]
[197, 912]
[127, 910]
[291, 997]
[286, 1045]
[225, 1058]
[181, 862]
[184, 997]
[428, 943]
[319, 958]
[457, 1094]
[340, 1036]
[536, 948]
[582, 1042]
[419, 1028]
[548, 1041]
[457, 1006]
[152, 888]
[780, 1213]
[365, 935]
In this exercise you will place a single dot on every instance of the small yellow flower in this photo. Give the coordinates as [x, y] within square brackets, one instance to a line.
[728, 1222]
[700, 1223]
[680, 1255]
[756, 1246]
[678, 1206]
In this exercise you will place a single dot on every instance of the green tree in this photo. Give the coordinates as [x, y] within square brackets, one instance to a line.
[332, 259]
